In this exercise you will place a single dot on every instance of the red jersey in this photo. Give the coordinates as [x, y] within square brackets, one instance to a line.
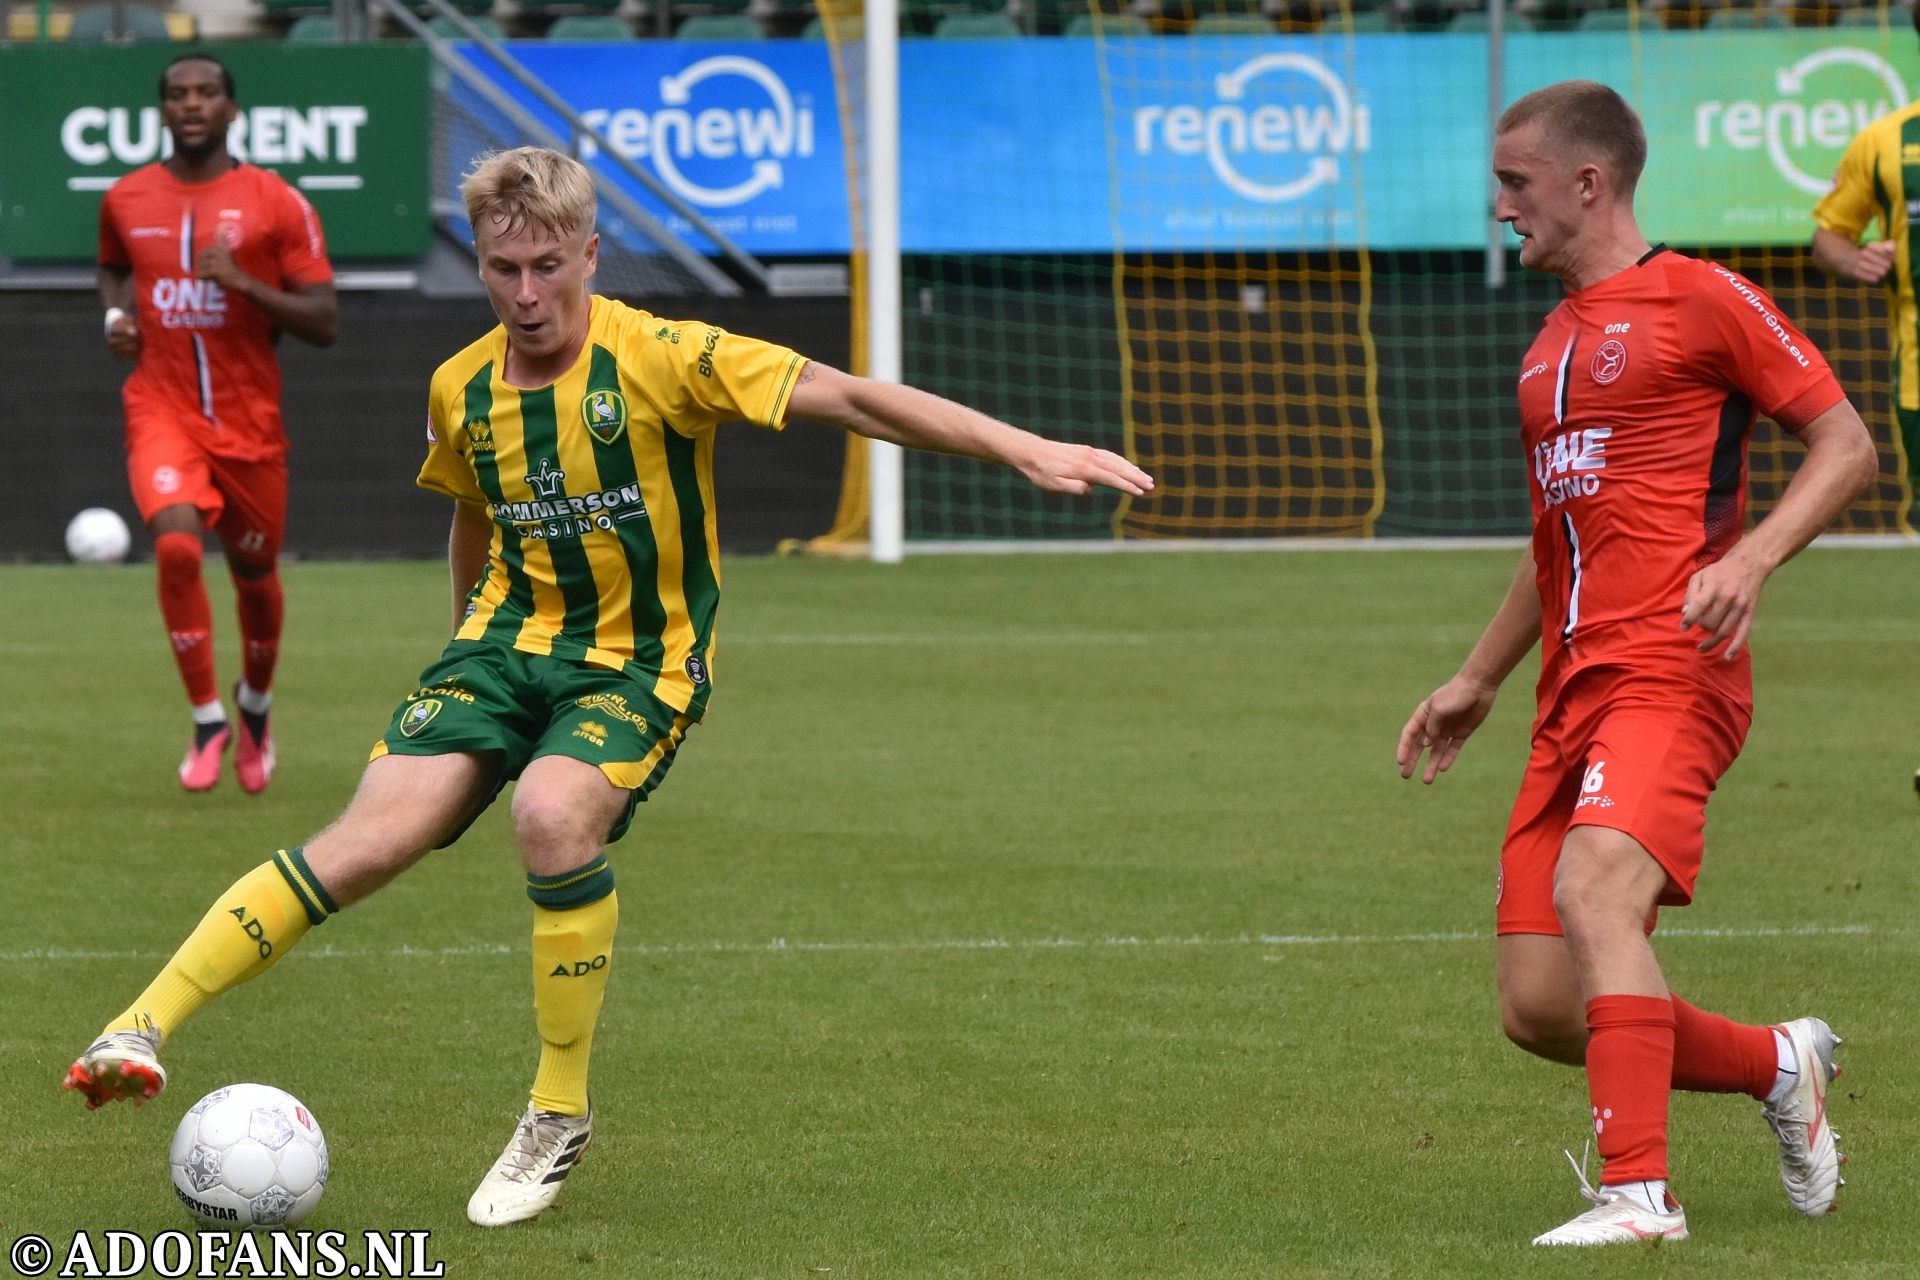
[204, 354]
[1636, 403]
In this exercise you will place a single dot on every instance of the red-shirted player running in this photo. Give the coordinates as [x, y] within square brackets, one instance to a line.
[1636, 402]
[204, 261]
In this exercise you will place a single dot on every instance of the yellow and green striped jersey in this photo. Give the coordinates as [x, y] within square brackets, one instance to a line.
[1879, 177]
[600, 489]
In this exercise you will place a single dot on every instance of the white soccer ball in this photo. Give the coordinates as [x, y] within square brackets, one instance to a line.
[98, 536]
[249, 1155]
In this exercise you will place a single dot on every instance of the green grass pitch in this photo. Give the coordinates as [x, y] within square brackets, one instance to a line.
[1009, 916]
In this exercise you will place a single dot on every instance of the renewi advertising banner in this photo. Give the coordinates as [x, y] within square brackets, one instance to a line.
[1067, 145]
[748, 134]
[346, 124]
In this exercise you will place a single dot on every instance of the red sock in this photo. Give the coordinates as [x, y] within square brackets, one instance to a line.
[189, 616]
[1712, 1054]
[1629, 1074]
[261, 608]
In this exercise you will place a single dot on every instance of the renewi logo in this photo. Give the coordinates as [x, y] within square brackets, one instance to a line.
[1824, 100]
[722, 135]
[1281, 122]
[92, 136]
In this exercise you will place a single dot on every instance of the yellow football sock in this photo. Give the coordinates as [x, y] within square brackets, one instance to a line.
[572, 954]
[253, 924]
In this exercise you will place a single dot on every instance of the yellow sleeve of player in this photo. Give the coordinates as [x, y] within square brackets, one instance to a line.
[700, 376]
[449, 465]
[1850, 207]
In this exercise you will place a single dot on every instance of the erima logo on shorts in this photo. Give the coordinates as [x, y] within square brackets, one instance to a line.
[580, 969]
[696, 671]
[419, 716]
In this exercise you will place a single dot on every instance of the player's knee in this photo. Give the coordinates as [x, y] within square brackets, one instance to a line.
[547, 823]
[177, 555]
[1544, 1030]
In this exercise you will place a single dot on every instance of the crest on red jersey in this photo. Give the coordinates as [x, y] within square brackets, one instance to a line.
[1609, 362]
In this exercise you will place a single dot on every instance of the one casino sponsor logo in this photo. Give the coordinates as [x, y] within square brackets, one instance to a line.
[186, 303]
[1565, 465]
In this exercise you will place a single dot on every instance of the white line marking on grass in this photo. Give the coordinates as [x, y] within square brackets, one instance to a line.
[777, 945]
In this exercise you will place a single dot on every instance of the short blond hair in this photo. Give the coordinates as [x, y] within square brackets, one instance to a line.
[530, 186]
[1584, 120]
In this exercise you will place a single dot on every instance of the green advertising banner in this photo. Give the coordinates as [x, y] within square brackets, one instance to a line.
[346, 124]
[1744, 128]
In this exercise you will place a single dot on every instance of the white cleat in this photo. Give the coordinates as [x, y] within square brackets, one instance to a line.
[1615, 1219]
[526, 1179]
[1810, 1156]
[117, 1065]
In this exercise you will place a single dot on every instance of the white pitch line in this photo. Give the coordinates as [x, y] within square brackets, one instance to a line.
[780, 945]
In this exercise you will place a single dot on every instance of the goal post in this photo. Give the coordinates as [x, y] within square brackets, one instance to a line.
[886, 490]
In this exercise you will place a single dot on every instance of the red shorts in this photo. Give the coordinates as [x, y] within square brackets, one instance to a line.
[1625, 751]
[244, 501]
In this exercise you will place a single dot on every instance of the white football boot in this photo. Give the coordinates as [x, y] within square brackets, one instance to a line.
[119, 1064]
[526, 1179]
[1810, 1156]
[1615, 1219]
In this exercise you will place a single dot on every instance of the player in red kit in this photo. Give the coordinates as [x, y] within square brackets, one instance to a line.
[1636, 403]
[204, 262]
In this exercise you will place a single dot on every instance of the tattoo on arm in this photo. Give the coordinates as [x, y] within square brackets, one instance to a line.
[808, 374]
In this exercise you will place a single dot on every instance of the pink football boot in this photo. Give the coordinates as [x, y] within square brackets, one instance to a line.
[201, 769]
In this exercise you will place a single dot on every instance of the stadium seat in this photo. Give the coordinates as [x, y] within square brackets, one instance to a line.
[1748, 19]
[976, 26]
[1232, 24]
[315, 28]
[720, 26]
[1612, 20]
[1114, 26]
[94, 25]
[445, 29]
[1477, 21]
[592, 26]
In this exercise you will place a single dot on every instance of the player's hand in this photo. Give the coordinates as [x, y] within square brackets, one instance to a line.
[1076, 468]
[123, 337]
[216, 263]
[1875, 261]
[1721, 599]
[1440, 726]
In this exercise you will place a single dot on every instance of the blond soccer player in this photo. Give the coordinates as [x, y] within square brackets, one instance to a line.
[576, 441]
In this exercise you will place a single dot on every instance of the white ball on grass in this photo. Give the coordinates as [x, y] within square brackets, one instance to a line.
[98, 536]
[249, 1155]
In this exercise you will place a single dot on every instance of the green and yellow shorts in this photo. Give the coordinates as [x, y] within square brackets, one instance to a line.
[494, 700]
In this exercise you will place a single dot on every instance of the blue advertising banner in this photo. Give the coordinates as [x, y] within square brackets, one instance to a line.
[1070, 145]
[748, 134]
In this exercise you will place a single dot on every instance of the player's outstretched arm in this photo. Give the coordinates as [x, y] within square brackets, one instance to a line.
[1440, 725]
[919, 420]
[467, 547]
[1841, 461]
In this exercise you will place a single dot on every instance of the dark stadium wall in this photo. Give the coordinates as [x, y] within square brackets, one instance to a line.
[356, 414]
